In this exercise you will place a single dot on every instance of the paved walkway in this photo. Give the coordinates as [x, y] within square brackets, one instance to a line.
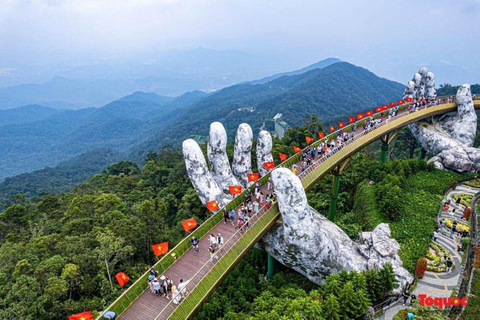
[440, 284]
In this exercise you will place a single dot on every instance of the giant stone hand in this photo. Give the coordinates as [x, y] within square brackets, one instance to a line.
[449, 137]
[214, 185]
[304, 240]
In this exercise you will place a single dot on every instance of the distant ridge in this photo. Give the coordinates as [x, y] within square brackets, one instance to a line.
[25, 114]
[318, 65]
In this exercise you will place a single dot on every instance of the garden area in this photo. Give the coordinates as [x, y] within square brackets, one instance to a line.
[466, 199]
[435, 254]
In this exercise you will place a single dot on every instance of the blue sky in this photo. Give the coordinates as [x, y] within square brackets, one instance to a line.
[391, 38]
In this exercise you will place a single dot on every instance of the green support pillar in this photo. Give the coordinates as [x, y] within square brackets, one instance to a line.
[271, 267]
[333, 201]
[383, 154]
[422, 155]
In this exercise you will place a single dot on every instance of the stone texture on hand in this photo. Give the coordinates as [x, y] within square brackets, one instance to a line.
[214, 185]
[264, 151]
[449, 137]
[316, 247]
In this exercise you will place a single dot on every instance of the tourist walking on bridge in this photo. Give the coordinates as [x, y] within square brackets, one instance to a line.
[194, 241]
[220, 240]
[169, 285]
[182, 287]
[156, 287]
[213, 241]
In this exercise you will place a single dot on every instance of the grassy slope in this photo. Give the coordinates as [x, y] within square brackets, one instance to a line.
[422, 193]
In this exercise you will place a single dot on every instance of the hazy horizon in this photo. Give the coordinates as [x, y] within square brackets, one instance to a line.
[109, 40]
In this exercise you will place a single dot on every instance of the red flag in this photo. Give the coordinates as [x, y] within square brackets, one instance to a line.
[408, 99]
[332, 129]
[269, 165]
[297, 149]
[309, 140]
[369, 113]
[253, 177]
[400, 101]
[360, 116]
[385, 107]
[235, 189]
[87, 315]
[392, 104]
[378, 109]
[341, 125]
[122, 278]
[160, 248]
[321, 135]
[212, 205]
[282, 156]
[351, 119]
[189, 224]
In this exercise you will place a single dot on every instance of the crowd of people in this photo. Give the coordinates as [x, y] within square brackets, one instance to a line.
[329, 147]
[165, 287]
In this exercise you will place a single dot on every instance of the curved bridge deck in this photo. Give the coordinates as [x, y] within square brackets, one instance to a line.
[206, 275]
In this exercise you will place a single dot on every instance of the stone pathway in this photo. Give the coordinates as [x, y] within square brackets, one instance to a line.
[440, 284]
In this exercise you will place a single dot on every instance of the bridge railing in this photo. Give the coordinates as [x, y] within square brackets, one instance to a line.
[203, 282]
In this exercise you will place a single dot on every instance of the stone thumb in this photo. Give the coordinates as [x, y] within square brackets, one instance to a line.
[291, 197]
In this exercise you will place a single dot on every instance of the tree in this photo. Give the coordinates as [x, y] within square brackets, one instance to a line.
[111, 250]
[71, 275]
[330, 308]
[354, 301]
[126, 167]
[387, 278]
[374, 289]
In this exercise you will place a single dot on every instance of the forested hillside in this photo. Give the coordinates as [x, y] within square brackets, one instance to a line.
[336, 90]
[30, 113]
[449, 90]
[62, 178]
[62, 135]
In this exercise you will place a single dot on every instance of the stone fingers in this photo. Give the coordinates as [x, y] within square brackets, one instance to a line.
[264, 151]
[201, 178]
[242, 154]
[421, 86]
[430, 92]
[217, 156]
[463, 125]
[291, 197]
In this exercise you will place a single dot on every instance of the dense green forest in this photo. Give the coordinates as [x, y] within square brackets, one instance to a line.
[53, 248]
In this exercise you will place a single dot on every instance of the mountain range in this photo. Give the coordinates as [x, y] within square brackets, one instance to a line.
[137, 123]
